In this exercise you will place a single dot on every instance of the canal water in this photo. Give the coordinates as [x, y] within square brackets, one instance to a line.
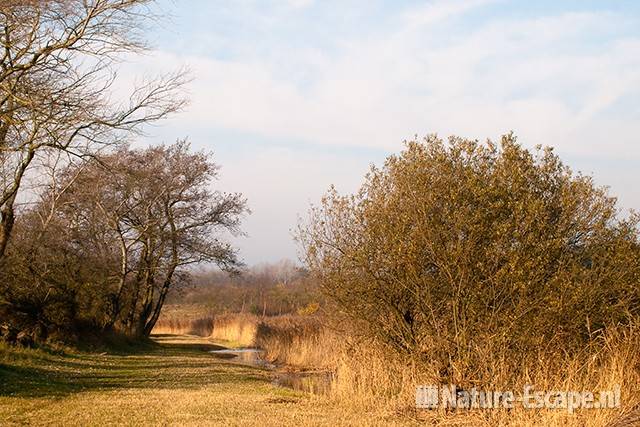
[307, 381]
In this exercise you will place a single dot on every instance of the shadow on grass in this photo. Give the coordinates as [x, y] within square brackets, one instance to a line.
[172, 363]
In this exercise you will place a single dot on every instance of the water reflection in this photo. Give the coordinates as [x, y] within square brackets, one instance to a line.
[251, 356]
[308, 382]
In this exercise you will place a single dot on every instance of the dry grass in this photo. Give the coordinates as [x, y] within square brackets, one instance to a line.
[294, 341]
[298, 341]
[185, 319]
[180, 384]
[366, 376]
[175, 384]
[237, 330]
[202, 327]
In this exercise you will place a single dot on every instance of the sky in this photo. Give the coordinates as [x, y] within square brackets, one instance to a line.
[293, 96]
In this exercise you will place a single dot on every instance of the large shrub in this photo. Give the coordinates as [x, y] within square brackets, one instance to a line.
[456, 251]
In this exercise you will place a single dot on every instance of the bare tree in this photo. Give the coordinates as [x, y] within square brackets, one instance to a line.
[157, 215]
[57, 66]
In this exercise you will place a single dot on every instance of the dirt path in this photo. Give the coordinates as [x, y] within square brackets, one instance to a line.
[175, 383]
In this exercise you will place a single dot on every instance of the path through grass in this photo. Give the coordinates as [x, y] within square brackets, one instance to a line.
[176, 382]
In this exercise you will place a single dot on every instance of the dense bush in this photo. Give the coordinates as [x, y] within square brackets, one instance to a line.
[455, 251]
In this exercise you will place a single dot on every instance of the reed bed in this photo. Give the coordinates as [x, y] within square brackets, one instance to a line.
[238, 330]
[365, 373]
[201, 326]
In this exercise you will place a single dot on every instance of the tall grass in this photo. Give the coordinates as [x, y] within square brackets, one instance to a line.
[189, 319]
[297, 341]
[201, 326]
[237, 329]
[367, 374]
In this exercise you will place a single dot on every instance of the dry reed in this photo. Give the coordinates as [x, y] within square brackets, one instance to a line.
[367, 374]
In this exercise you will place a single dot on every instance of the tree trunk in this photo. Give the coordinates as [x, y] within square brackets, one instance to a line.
[7, 211]
[7, 219]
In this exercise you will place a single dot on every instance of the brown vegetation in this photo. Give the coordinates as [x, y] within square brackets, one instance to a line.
[269, 289]
[108, 230]
[201, 326]
[455, 253]
[482, 266]
[117, 239]
[366, 374]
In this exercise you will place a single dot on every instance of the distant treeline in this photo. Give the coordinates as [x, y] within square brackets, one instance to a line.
[264, 290]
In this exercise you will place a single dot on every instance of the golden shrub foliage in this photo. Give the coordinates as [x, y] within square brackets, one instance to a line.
[454, 252]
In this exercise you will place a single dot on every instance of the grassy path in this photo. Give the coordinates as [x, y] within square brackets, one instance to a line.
[174, 383]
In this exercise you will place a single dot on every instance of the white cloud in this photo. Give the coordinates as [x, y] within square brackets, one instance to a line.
[435, 11]
[377, 92]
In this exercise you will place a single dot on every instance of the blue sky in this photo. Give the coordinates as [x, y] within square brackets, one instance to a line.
[295, 95]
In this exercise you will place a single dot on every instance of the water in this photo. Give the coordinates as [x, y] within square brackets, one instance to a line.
[308, 382]
[250, 356]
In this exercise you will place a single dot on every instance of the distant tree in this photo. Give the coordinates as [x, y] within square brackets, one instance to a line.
[275, 288]
[57, 62]
[451, 248]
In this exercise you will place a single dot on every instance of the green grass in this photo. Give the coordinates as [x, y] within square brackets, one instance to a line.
[174, 382]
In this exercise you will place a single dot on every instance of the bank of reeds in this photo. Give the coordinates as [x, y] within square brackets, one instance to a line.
[366, 373]
[201, 326]
[298, 341]
[238, 330]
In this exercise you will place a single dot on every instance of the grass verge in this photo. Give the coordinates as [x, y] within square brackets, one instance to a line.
[175, 382]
